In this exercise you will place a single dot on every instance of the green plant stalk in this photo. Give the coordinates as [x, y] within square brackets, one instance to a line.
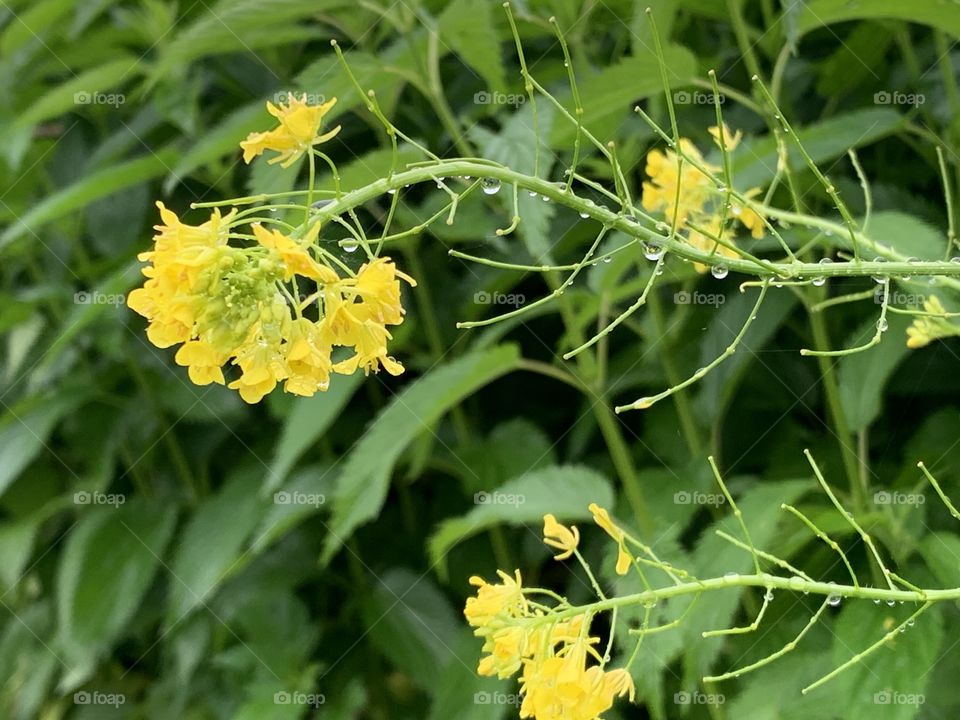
[831, 388]
[895, 264]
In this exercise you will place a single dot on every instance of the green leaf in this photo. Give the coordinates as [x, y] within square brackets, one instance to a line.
[219, 142]
[307, 421]
[80, 91]
[863, 376]
[24, 431]
[564, 490]
[610, 94]
[941, 551]
[362, 485]
[83, 192]
[210, 545]
[907, 234]
[410, 622]
[107, 565]
[760, 506]
[935, 13]
[467, 28]
[755, 162]
[881, 686]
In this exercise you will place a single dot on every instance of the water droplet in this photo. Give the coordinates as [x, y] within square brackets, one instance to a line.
[531, 193]
[490, 186]
[608, 259]
[730, 575]
[911, 622]
[819, 281]
[879, 279]
[719, 271]
[891, 603]
[876, 601]
[350, 246]
[768, 596]
[392, 191]
[834, 600]
[546, 199]
[652, 251]
[584, 215]
[882, 325]
[955, 259]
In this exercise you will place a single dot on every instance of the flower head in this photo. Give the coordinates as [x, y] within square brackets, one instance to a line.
[602, 518]
[560, 537]
[298, 131]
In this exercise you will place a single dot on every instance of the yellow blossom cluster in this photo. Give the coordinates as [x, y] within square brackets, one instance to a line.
[932, 326]
[681, 188]
[562, 676]
[229, 303]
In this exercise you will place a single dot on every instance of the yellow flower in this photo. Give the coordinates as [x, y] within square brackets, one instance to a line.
[505, 598]
[297, 132]
[507, 647]
[296, 260]
[677, 194]
[602, 518]
[202, 361]
[263, 366]
[378, 287]
[708, 244]
[749, 217]
[925, 329]
[560, 537]
[729, 140]
[308, 359]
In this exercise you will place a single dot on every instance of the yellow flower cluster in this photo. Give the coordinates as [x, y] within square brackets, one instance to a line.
[562, 676]
[225, 303]
[686, 195]
[927, 328]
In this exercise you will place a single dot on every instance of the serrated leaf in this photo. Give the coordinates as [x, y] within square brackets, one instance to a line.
[362, 485]
[467, 28]
[935, 13]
